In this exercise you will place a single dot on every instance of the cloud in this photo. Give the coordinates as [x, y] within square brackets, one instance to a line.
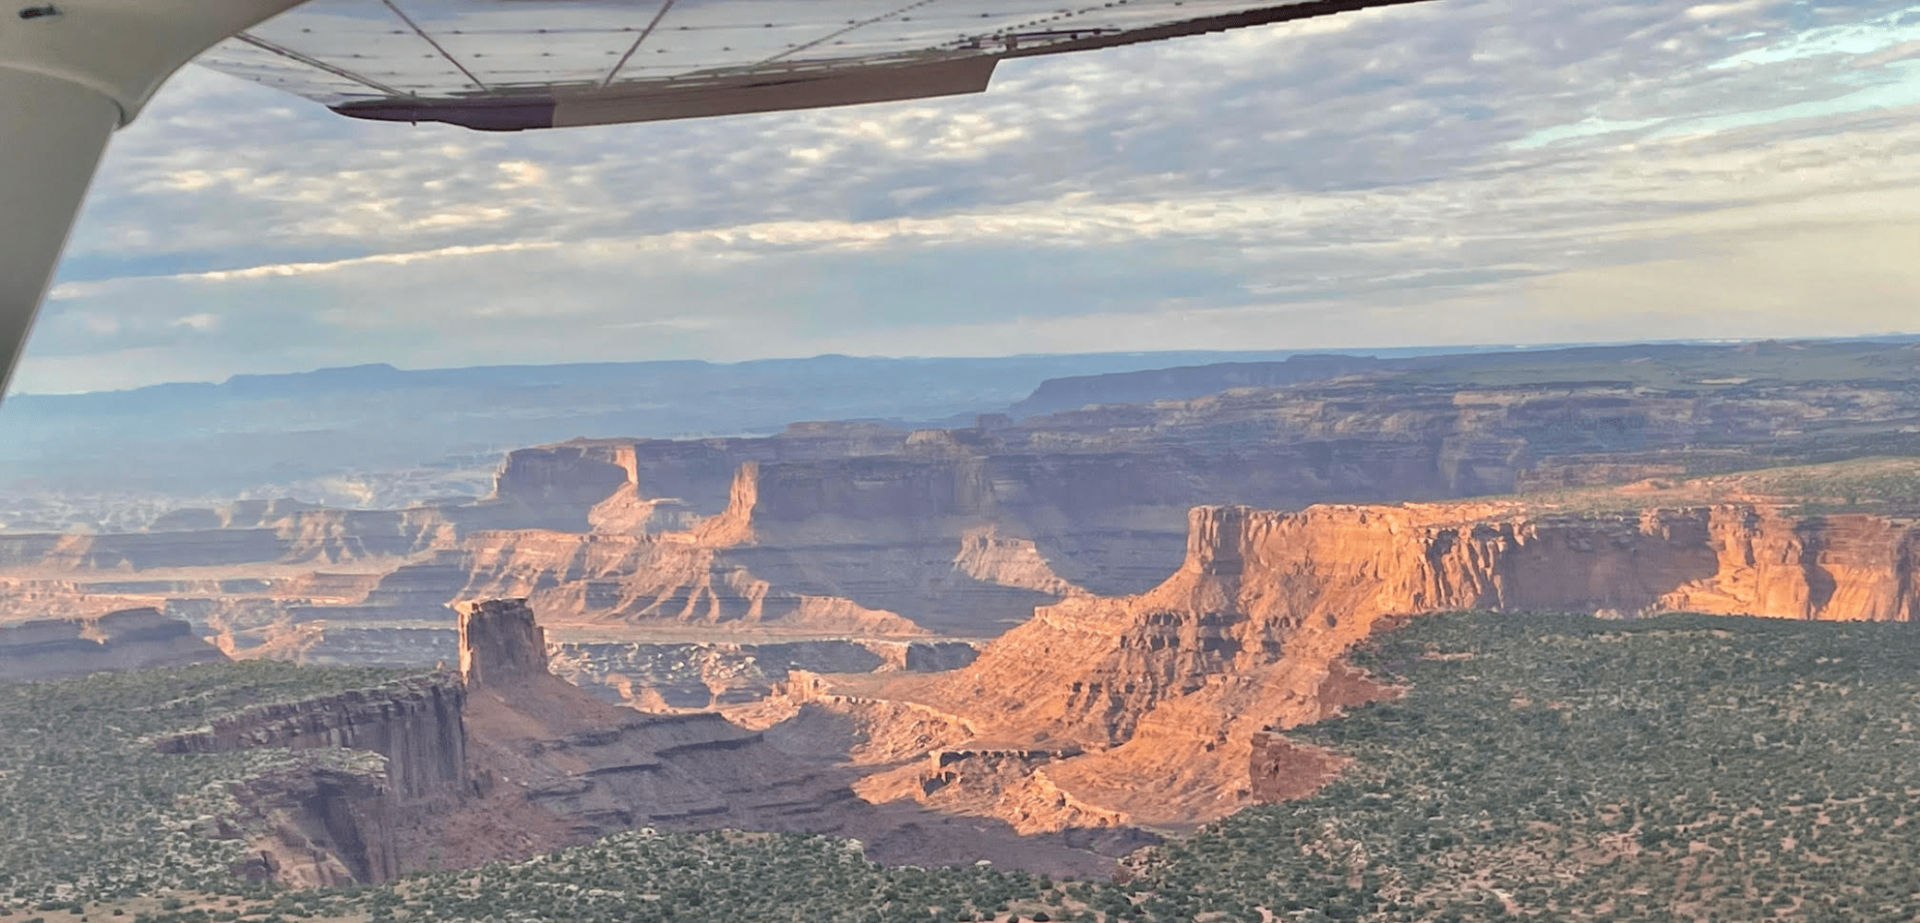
[1468, 169]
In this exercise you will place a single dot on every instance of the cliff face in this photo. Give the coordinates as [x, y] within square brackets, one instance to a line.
[416, 725]
[595, 767]
[380, 760]
[1850, 566]
[129, 639]
[555, 487]
[864, 529]
[598, 766]
[317, 828]
[656, 580]
[500, 643]
[844, 546]
[1167, 694]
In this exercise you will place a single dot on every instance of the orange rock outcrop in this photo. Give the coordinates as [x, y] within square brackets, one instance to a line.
[1169, 697]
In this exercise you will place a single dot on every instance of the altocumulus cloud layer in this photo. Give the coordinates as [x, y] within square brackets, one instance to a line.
[1454, 172]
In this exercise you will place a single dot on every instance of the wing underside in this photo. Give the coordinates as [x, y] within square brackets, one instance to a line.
[516, 64]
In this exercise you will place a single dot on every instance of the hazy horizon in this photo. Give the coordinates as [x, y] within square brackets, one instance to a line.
[1209, 355]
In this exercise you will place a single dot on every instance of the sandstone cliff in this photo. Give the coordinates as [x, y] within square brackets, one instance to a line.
[595, 767]
[972, 527]
[415, 725]
[129, 639]
[600, 767]
[379, 764]
[859, 528]
[643, 580]
[1166, 696]
[500, 644]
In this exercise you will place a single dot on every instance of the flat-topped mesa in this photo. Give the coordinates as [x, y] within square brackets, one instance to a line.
[500, 643]
[128, 639]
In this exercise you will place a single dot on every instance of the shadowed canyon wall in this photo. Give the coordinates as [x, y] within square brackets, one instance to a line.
[415, 724]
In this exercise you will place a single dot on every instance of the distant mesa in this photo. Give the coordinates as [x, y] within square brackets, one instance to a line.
[128, 639]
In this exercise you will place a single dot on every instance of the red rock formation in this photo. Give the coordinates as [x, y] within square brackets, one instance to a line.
[987, 556]
[1841, 567]
[416, 725]
[678, 675]
[659, 580]
[314, 827]
[334, 819]
[599, 767]
[1169, 693]
[500, 644]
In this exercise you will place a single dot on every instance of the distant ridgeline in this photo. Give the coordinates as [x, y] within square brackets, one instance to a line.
[375, 436]
[407, 434]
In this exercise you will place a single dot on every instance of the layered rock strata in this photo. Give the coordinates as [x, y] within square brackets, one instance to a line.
[500, 643]
[416, 725]
[1170, 696]
[380, 766]
[506, 760]
[130, 639]
[845, 529]
[315, 828]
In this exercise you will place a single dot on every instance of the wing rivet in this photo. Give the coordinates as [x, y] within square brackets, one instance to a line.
[38, 12]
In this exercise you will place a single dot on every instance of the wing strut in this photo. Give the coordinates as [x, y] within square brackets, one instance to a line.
[71, 72]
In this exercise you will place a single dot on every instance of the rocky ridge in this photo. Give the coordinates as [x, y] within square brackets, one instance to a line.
[415, 725]
[1158, 708]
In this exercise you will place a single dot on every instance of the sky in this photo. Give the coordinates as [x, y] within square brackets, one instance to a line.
[1453, 172]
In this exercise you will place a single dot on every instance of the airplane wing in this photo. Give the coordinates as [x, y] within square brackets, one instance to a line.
[509, 65]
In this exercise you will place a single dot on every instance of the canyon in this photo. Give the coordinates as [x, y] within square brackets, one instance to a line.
[1162, 709]
[1075, 736]
[842, 533]
[501, 759]
[1045, 638]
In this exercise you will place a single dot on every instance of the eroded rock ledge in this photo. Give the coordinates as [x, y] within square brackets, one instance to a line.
[1172, 696]
[415, 724]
